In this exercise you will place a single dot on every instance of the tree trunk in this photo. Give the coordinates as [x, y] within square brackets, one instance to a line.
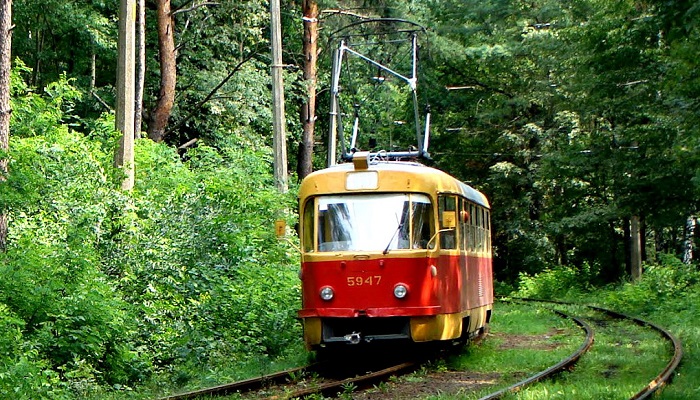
[36, 71]
[308, 109]
[627, 244]
[643, 238]
[5, 68]
[635, 249]
[140, 65]
[93, 69]
[168, 74]
[689, 242]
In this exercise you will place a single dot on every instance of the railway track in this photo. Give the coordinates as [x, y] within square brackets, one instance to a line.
[655, 384]
[288, 384]
[562, 365]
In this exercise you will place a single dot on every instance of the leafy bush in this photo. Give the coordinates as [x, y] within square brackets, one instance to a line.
[52, 277]
[556, 282]
[22, 374]
[202, 257]
[662, 282]
[102, 287]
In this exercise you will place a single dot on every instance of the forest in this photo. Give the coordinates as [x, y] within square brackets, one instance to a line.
[578, 119]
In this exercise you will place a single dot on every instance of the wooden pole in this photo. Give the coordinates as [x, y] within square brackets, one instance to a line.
[308, 108]
[124, 157]
[279, 141]
[636, 249]
[5, 110]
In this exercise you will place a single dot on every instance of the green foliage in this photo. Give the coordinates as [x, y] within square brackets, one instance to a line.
[56, 37]
[102, 287]
[661, 285]
[198, 250]
[556, 282]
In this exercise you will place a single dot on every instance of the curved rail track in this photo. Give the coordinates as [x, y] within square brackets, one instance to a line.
[333, 387]
[241, 386]
[664, 376]
[564, 364]
[659, 381]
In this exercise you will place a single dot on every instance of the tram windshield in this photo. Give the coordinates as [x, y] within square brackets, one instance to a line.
[374, 222]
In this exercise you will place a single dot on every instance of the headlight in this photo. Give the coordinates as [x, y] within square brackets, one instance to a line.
[326, 293]
[400, 291]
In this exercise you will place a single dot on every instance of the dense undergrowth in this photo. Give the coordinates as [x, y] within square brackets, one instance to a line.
[101, 289]
[113, 294]
[668, 294]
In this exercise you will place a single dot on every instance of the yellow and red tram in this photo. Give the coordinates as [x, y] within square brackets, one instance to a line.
[392, 250]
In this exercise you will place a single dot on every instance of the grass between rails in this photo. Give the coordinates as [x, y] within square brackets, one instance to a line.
[624, 358]
[524, 340]
[668, 294]
[527, 339]
[679, 315]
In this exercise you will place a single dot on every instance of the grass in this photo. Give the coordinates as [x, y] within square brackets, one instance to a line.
[668, 294]
[679, 315]
[523, 341]
[225, 371]
[624, 358]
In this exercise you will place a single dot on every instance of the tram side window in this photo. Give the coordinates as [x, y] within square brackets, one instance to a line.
[308, 226]
[447, 207]
[471, 231]
[463, 224]
[488, 229]
[422, 222]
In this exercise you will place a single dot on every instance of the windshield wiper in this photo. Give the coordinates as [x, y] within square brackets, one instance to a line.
[398, 228]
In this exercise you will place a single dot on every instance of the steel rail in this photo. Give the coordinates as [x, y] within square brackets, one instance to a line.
[246, 385]
[334, 388]
[560, 366]
[664, 377]
[325, 389]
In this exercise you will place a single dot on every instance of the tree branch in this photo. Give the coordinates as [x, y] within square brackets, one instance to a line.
[104, 103]
[194, 7]
[187, 144]
[213, 91]
[345, 12]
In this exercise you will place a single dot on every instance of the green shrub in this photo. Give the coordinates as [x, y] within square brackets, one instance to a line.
[664, 281]
[23, 375]
[100, 288]
[199, 254]
[555, 282]
[52, 277]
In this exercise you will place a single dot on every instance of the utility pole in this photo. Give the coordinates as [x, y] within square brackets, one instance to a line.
[5, 110]
[124, 156]
[636, 249]
[308, 108]
[279, 141]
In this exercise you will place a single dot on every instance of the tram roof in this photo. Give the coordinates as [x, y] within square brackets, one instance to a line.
[410, 176]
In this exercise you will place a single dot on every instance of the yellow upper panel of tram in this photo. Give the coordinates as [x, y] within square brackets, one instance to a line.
[391, 176]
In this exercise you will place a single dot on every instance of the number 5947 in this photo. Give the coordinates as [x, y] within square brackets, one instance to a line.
[364, 280]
